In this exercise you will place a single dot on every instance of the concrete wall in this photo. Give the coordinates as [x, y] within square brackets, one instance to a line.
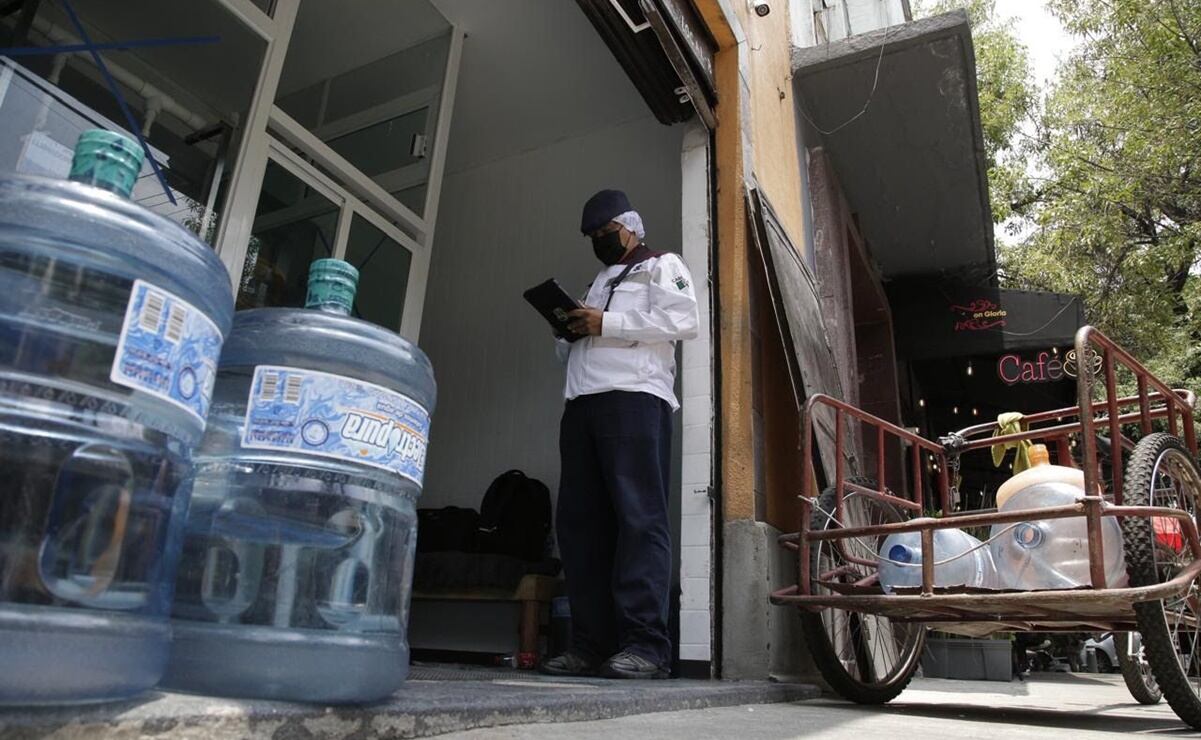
[763, 150]
[544, 117]
[504, 226]
[542, 120]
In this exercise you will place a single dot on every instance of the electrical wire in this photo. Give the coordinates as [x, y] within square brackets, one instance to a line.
[866, 104]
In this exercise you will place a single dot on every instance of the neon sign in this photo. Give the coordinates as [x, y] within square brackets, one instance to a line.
[979, 315]
[1044, 368]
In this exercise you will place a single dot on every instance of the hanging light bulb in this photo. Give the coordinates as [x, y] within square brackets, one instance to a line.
[975, 412]
[921, 402]
[969, 367]
[955, 410]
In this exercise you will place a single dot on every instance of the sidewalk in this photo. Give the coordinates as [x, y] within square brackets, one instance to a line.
[435, 701]
[1046, 707]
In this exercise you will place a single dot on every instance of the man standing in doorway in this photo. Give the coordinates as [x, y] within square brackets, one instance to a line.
[615, 444]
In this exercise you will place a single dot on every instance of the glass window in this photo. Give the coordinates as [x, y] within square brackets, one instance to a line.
[186, 99]
[385, 146]
[293, 225]
[371, 96]
[383, 274]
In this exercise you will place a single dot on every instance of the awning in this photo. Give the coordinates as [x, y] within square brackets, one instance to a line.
[666, 50]
[907, 147]
[933, 319]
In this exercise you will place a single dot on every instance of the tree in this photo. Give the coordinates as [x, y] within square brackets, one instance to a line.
[1103, 172]
[1117, 219]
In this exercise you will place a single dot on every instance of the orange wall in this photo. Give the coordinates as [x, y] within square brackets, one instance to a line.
[756, 136]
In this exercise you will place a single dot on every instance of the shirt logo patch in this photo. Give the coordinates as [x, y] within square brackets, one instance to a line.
[680, 282]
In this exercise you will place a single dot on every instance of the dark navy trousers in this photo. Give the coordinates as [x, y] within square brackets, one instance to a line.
[612, 523]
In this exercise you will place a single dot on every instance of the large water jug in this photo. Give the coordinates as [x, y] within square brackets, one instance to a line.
[298, 554]
[959, 560]
[1052, 553]
[111, 323]
[1040, 471]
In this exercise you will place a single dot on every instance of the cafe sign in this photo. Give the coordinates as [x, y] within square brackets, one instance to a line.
[1044, 367]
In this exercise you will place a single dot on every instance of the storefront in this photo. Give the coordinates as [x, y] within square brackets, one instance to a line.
[445, 148]
[970, 354]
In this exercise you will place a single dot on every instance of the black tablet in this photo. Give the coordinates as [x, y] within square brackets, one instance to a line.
[550, 300]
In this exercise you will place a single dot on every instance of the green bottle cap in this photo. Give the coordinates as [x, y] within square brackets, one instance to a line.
[107, 160]
[332, 284]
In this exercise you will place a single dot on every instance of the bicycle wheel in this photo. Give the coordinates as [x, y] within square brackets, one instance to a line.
[1163, 472]
[866, 658]
[1136, 672]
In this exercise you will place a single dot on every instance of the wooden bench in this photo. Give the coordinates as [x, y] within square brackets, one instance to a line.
[533, 591]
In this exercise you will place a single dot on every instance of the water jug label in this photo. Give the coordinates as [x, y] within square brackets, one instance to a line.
[168, 348]
[335, 416]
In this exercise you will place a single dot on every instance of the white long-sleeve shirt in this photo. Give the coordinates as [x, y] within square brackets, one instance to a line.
[652, 309]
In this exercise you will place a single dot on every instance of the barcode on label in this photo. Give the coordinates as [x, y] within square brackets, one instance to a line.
[152, 312]
[270, 386]
[292, 388]
[175, 321]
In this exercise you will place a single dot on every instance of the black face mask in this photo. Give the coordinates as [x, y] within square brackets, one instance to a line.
[608, 247]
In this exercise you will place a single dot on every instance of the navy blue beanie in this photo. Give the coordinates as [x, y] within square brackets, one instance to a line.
[601, 208]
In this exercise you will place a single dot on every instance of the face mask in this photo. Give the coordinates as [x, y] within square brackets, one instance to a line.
[608, 247]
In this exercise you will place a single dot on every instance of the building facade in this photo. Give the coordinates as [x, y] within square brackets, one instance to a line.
[800, 160]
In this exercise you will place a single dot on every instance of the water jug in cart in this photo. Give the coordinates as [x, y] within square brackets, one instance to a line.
[111, 323]
[298, 551]
[959, 560]
[1050, 553]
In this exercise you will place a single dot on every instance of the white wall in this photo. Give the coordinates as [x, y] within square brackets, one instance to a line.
[544, 117]
[840, 18]
[503, 227]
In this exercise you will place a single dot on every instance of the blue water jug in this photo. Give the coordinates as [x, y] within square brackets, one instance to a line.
[111, 324]
[298, 556]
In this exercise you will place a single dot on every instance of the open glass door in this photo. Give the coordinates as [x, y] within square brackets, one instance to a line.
[355, 146]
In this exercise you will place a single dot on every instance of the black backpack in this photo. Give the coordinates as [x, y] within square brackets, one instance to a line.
[450, 529]
[515, 517]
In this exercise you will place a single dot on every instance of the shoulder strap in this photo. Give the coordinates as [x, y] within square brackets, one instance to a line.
[641, 254]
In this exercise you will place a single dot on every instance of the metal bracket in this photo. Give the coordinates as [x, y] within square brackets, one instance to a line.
[634, 28]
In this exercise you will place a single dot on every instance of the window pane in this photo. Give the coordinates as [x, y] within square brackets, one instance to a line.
[385, 146]
[383, 274]
[292, 227]
[47, 100]
[366, 93]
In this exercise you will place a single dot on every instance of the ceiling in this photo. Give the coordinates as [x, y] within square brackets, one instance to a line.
[533, 72]
[912, 162]
[338, 40]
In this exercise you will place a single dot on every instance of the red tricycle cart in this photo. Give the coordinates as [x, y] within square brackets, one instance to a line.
[867, 643]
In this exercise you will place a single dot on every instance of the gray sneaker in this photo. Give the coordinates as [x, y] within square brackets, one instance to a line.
[569, 663]
[631, 665]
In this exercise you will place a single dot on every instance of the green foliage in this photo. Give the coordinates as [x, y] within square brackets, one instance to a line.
[1102, 174]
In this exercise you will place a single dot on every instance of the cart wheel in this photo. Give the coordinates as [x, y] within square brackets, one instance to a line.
[864, 657]
[1136, 672]
[1162, 472]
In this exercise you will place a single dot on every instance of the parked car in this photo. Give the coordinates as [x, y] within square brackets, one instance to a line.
[1106, 650]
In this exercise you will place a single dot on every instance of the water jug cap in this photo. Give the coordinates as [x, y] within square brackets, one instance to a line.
[107, 160]
[1038, 455]
[900, 554]
[1028, 536]
[332, 284]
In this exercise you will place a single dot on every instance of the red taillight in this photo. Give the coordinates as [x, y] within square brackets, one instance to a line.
[1168, 532]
